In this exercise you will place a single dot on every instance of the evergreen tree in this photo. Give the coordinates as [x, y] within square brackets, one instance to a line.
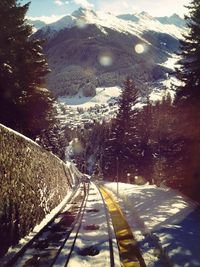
[120, 152]
[189, 72]
[54, 140]
[24, 105]
[188, 101]
[126, 113]
[145, 128]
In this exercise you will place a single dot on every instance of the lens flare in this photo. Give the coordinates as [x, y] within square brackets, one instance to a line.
[77, 146]
[139, 48]
[106, 59]
[81, 23]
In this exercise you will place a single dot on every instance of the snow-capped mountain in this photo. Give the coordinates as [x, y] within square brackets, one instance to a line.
[173, 20]
[83, 17]
[37, 24]
[90, 49]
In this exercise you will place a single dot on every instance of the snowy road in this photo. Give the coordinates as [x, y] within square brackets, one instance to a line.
[94, 245]
[143, 226]
[165, 223]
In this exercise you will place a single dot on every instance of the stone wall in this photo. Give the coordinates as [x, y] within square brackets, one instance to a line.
[32, 183]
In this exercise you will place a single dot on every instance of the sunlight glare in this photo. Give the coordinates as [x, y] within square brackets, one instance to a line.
[81, 23]
[139, 48]
[106, 59]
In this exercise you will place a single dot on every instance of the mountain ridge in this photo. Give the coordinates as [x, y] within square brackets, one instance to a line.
[91, 49]
[174, 19]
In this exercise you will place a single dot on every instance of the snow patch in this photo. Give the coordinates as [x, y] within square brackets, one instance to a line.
[164, 217]
[142, 23]
[104, 95]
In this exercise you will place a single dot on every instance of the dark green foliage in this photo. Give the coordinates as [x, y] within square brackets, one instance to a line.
[120, 152]
[24, 105]
[188, 101]
[189, 72]
[54, 140]
[144, 126]
[93, 143]
[161, 147]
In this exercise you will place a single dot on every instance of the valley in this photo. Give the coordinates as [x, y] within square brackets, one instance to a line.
[88, 49]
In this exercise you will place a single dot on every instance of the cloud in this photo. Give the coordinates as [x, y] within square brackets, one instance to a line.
[47, 19]
[171, 6]
[58, 2]
[120, 7]
[155, 8]
[83, 3]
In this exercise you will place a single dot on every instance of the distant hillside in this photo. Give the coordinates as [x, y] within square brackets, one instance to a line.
[91, 49]
[174, 20]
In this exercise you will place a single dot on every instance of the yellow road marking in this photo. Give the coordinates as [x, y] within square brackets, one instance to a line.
[128, 251]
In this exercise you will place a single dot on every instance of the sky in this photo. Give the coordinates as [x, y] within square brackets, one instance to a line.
[51, 10]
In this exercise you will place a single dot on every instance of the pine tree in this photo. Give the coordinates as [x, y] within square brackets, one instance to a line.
[22, 71]
[188, 100]
[125, 114]
[189, 72]
[120, 149]
[145, 128]
[54, 140]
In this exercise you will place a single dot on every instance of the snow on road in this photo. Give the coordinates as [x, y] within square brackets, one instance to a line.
[166, 224]
[92, 237]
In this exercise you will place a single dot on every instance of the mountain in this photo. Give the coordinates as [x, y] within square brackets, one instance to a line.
[173, 20]
[90, 49]
[136, 17]
[37, 24]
